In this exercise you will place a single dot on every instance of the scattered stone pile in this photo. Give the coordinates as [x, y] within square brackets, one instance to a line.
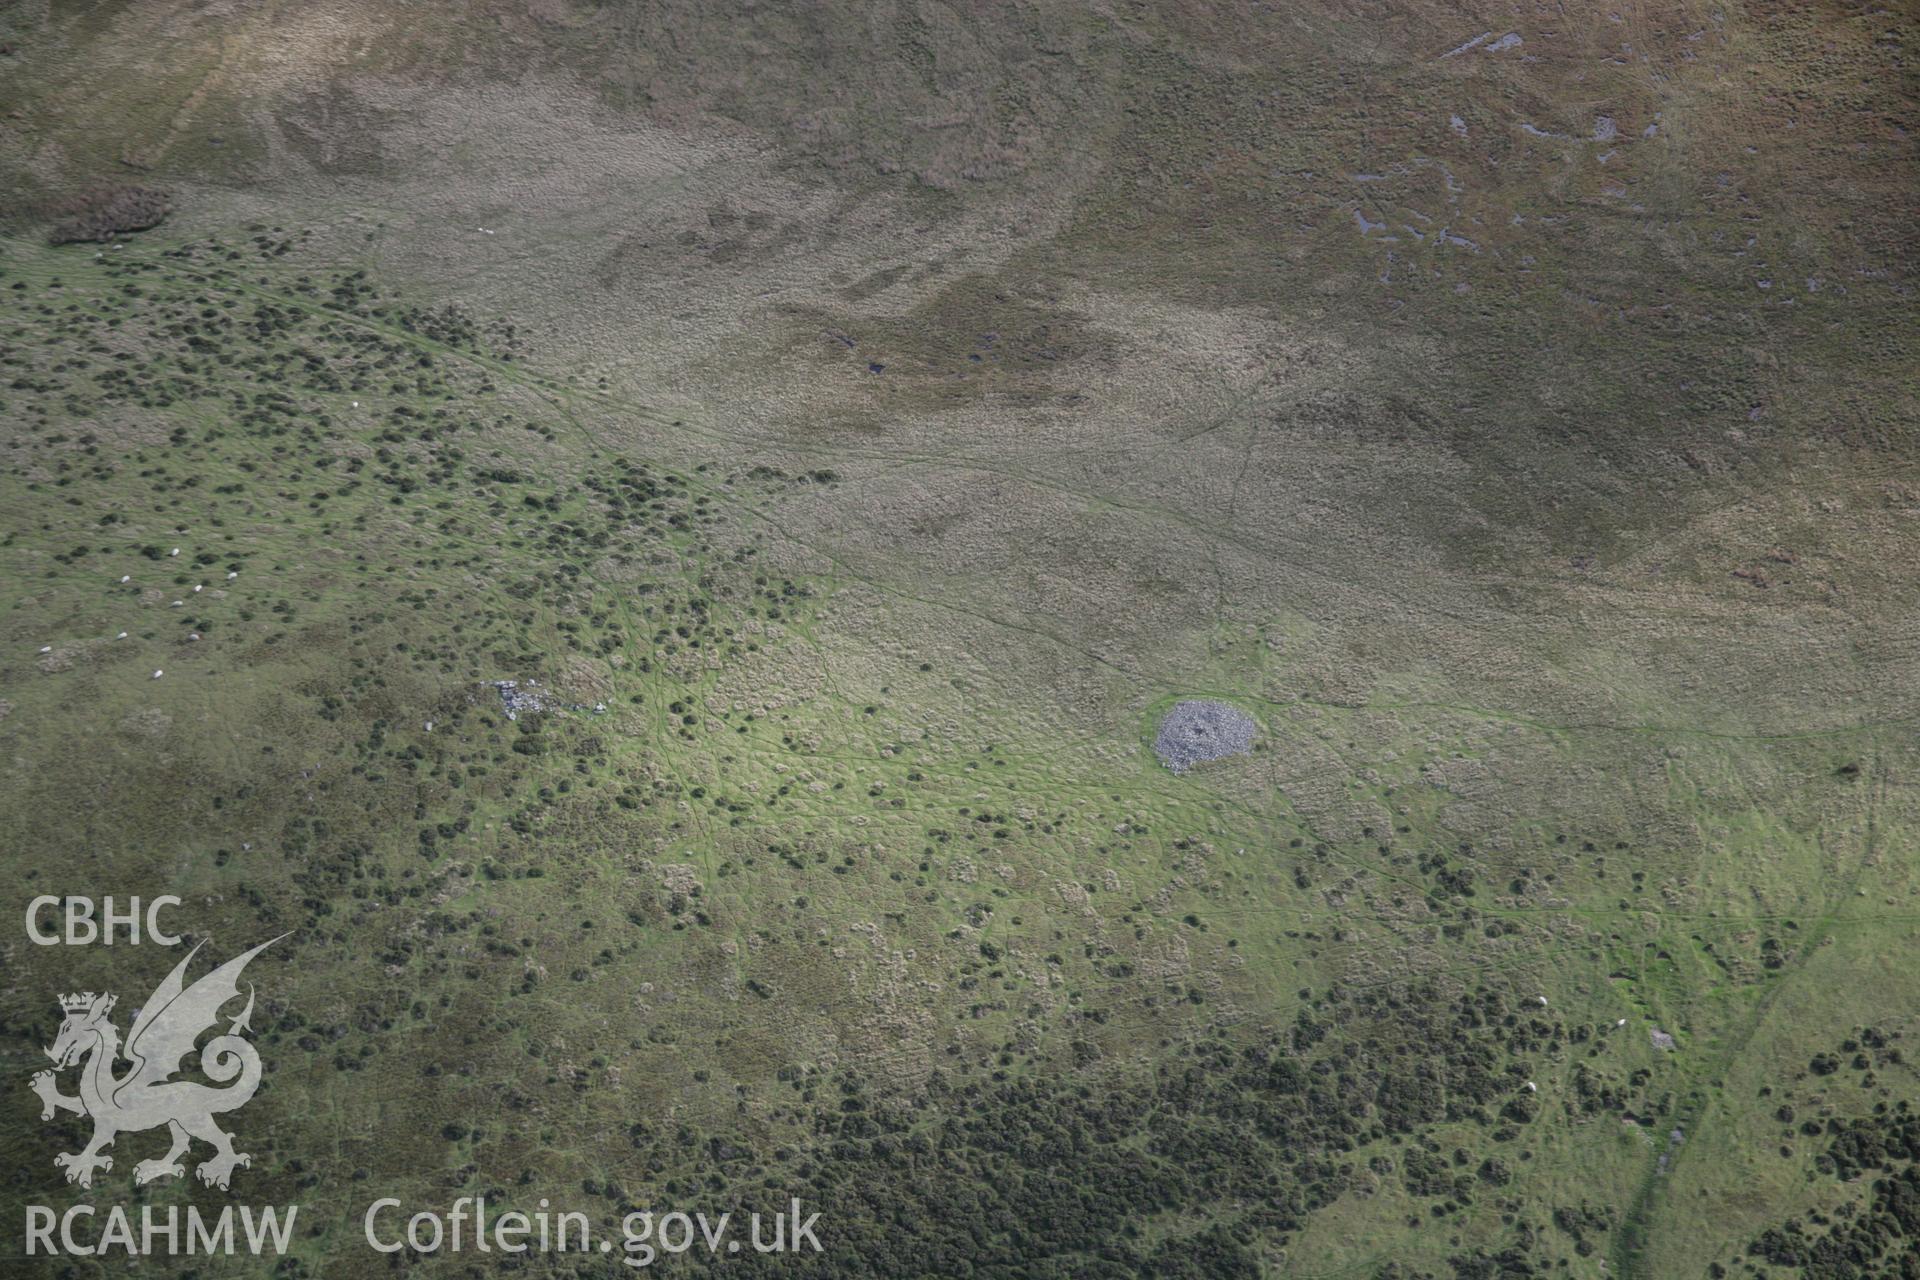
[516, 697]
[109, 213]
[1199, 730]
[530, 699]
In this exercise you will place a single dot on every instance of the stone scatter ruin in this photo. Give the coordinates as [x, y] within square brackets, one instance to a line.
[1198, 730]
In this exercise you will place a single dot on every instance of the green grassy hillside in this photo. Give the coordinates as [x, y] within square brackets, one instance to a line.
[852, 429]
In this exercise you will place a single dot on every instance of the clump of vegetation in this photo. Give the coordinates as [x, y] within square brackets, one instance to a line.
[1874, 1232]
[108, 212]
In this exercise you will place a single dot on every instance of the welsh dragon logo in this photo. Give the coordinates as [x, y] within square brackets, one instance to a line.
[146, 1096]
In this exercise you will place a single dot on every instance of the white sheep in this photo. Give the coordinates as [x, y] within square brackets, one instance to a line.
[158, 673]
[174, 552]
